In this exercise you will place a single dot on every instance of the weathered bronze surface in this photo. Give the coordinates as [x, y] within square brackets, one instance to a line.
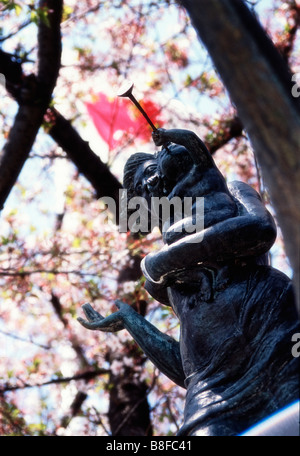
[237, 314]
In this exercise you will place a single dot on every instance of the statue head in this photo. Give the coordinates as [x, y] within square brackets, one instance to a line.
[141, 176]
[173, 162]
[156, 174]
[141, 179]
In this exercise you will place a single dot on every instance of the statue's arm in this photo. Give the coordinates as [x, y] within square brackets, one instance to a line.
[249, 234]
[161, 349]
[195, 146]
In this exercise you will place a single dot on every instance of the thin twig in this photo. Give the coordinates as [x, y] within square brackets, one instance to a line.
[88, 375]
[23, 339]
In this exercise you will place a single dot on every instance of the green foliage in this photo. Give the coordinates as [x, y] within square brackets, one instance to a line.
[12, 422]
[10, 5]
[40, 14]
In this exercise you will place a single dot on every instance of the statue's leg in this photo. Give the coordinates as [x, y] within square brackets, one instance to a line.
[182, 228]
[239, 237]
[170, 259]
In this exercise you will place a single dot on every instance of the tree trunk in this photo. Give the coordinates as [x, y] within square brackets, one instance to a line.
[33, 96]
[129, 411]
[259, 83]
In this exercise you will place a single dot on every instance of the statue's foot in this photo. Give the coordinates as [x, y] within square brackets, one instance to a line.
[223, 278]
[151, 269]
[157, 268]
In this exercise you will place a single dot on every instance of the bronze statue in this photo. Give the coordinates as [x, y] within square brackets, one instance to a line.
[237, 314]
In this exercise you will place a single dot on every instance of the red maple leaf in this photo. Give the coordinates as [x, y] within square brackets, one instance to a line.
[121, 115]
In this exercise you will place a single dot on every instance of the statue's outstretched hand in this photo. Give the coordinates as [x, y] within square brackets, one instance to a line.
[112, 323]
[158, 137]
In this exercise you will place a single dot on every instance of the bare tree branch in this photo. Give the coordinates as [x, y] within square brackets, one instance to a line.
[231, 128]
[87, 162]
[87, 375]
[49, 46]
[34, 97]
[22, 339]
[24, 273]
[14, 32]
[62, 131]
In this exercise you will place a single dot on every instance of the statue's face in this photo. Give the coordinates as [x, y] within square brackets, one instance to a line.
[158, 176]
[147, 182]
